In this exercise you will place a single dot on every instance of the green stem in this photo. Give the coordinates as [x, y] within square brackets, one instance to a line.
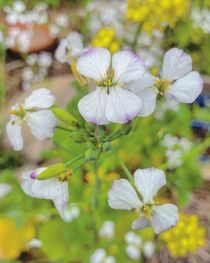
[74, 160]
[64, 129]
[122, 164]
[135, 40]
[96, 189]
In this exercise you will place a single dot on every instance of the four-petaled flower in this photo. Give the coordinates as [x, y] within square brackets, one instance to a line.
[111, 101]
[36, 113]
[51, 189]
[177, 80]
[148, 181]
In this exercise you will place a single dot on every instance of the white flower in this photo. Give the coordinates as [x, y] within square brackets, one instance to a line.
[107, 229]
[148, 249]
[69, 47]
[52, 189]
[134, 244]
[14, 13]
[44, 59]
[99, 256]
[4, 189]
[148, 181]
[37, 115]
[71, 213]
[62, 20]
[177, 80]
[111, 101]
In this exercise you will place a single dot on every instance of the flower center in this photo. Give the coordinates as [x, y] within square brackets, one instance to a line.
[108, 82]
[161, 86]
[147, 210]
[19, 111]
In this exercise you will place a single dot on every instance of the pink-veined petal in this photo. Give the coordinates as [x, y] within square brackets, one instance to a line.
[127, 66]
[94, 63]
[14, 134]
[176, 64]
[93, 106]
[122, 105]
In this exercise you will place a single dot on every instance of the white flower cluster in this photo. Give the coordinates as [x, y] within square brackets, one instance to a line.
[37, 68]
[69, 48]
[135, 246]
[18, 14]
[201, 19]
[176, 147]
[100, 256]
[124, 89]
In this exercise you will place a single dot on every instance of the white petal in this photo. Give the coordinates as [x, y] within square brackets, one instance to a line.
[148, 182]
[109, 259]
[141, 84]
[148, 97]
[123, 196]
[149, 249]
[40, 98]
[14, 134]
[4, 189]
[74, 43]
[98, 256]
[132, 238]
[41, 123]
[93, 106]
[122, 105]
[140, 223]
[94, 63]
[176, 64]
[188, 88]
[133, 252]
[61, 51]
[51, 189]
[164, 217]
[127, 66]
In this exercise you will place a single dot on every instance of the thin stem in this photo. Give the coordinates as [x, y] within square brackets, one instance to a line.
[135, 40]
[124, 167]
[64, 129]
[74, 160]
[97, 185]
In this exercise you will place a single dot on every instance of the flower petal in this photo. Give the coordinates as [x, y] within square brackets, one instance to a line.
[41, 123]
[188, 88]
[4, 189]
[176, 64]
[164, 217]
[40, 98]
[98, 256]
[127, 66]
[14, 134]
[148, 182]
[51, 189]
[148, 97]
[93, 106]
[133, 252]
[122, 105]
[61, 51]
[140, 223]
[94, 63]
[123, 196]
[74, 43]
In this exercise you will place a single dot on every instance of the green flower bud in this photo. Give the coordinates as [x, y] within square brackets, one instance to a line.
[51, 171]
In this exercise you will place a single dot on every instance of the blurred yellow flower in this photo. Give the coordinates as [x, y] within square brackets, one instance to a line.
[14, 239]
[185, 237]
[90, 176]
[153, 14]
[107, 38]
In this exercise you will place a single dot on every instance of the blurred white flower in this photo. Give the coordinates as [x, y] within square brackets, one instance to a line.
[111, 101]
[107, 230]
[148, 181]
[51, 189]
[134, 244]
[176, 147]
[201, 19]
[177, 80]
[4, 189]
[71, 213]
[99, 256]
[148, 249]
[36, 114]
[62, 20]
[34, 243]
[14, 13]
[69, 48]
[44, 59]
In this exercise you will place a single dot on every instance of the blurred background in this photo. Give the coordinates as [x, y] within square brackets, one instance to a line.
[175, 138]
